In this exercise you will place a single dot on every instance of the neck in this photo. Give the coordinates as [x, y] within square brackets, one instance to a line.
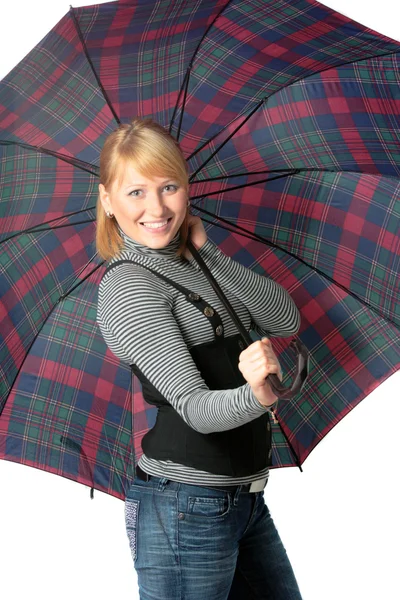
[169, 252]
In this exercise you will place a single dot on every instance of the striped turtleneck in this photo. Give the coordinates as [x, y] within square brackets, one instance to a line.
[167, 253]
[147, 322]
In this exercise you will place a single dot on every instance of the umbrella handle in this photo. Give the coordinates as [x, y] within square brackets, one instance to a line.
[302, 353]
[300, 375]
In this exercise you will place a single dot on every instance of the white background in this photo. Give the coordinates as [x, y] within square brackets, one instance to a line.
[339, 519]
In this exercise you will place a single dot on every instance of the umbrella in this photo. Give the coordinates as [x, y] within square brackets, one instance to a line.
[288, 116]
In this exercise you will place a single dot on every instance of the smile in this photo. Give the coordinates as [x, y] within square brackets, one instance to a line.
[157, 227]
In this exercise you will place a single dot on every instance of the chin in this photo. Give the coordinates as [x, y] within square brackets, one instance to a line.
[156, 245]
[160, 242]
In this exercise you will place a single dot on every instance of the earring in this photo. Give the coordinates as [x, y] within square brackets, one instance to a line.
[109, 215]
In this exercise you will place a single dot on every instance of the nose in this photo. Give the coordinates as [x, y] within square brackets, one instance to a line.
[155, 203]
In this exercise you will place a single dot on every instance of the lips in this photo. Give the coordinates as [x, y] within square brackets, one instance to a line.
[157, 229]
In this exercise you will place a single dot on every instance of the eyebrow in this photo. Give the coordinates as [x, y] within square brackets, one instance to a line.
[145, 185]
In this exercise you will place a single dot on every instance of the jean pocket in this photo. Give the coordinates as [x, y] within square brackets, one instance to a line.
[131, 522]
[208, 507]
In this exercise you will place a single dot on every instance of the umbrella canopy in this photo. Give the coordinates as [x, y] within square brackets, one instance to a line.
[288, 115]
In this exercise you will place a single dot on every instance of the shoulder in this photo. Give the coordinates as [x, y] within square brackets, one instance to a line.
[119, 271]
[129, 273]
[128, 295]
[130, 284]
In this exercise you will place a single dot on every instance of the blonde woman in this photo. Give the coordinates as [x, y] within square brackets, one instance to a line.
[196, 519]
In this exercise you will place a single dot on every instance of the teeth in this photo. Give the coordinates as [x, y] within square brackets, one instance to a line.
[155, 225]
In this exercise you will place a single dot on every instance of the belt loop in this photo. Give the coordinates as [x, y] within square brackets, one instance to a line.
[236, 496]
[162, 483]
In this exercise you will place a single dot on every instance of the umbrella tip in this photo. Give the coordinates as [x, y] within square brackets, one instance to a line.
[91, 493]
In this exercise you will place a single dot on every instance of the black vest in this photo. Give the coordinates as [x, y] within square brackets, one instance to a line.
[238, 452]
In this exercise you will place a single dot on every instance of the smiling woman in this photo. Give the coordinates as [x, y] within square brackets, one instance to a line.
[143, 189]
[211, 442]
[151, 212]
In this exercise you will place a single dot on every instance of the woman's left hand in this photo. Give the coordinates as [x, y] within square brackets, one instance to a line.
[197, 234]
[256, 362]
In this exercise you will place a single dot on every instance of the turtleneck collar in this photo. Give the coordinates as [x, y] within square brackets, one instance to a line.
[167, 253]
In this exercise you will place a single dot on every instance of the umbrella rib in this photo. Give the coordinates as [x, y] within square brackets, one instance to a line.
[185, 82]
[243, 185]
[258, 238]
[178, 100]
[208, 29]
[284, 173]
[209, 140]
[71, 289]
[184, 102]
[289, 443]
[62, 226]
[79, 164]
[106, 98]
[69, 442]
[33, 230]
[225, 141]
[50, 312]
[244, 174]
[288, 173]
[119, 477]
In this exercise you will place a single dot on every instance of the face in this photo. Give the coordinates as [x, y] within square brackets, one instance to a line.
[150, 211]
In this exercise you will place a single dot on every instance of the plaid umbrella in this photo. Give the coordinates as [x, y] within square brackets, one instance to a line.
[288, 115]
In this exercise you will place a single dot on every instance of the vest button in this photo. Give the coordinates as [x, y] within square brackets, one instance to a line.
[208, 311]
[193, 296]
[241, 345]
[219, 330]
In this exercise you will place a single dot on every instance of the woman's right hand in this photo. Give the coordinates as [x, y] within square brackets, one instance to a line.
[256, 362]
[197, 234]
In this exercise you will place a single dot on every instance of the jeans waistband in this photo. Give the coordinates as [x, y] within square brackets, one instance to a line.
[254, 486]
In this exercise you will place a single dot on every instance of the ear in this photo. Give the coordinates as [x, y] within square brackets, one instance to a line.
[104, 198]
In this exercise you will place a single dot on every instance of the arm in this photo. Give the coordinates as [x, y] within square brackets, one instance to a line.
[136, 320]
[272, 309]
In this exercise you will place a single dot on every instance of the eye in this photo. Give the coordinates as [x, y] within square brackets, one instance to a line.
[171, 187]
[134, 193]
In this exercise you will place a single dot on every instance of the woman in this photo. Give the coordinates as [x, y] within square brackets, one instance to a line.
[196, 519]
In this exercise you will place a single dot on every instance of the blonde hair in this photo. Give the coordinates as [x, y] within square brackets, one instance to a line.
[153, 152]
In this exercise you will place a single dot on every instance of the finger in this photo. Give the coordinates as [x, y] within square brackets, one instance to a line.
[263, 365]
[258, 378]
[256, 348]
[251, 358]
[258, 353]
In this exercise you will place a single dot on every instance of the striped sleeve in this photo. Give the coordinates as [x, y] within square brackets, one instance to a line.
[136, 320]
[271, 308]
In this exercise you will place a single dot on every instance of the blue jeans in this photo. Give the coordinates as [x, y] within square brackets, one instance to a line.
[190, 542]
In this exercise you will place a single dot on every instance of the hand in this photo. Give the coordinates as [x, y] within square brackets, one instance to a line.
[255, 363]
[196, 234]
